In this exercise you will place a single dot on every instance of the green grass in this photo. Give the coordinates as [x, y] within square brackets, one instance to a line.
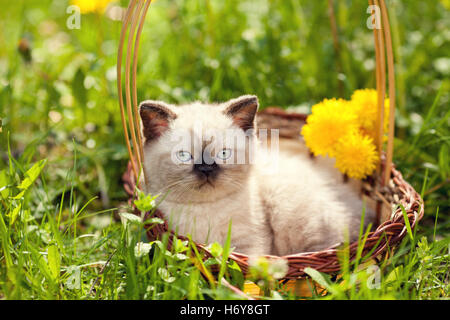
[62, 151]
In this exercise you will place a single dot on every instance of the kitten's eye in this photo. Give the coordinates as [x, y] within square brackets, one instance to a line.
[184, 156]
[224, 154]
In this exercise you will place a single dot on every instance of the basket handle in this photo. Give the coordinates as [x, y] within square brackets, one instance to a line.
[136, 12]
[383, 48]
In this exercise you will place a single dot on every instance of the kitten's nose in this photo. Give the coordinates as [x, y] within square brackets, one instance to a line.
[206, 169]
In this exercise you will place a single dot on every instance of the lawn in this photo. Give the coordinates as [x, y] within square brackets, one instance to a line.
[64, 228]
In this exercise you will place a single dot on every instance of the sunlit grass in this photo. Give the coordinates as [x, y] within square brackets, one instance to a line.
[62, 151]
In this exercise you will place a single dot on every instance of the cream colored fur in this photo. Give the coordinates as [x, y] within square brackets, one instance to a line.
[205, 213]
[302, 207]
[309, 207]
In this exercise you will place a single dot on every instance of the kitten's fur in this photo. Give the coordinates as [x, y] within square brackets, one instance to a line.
[300, 208]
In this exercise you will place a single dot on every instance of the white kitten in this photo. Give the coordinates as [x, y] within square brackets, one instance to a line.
[205, 186]
[298, 208]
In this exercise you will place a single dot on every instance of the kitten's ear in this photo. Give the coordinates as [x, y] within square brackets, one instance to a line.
[243, 111]
[155, 116]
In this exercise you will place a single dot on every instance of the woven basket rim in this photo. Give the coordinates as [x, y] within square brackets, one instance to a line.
[388, 234]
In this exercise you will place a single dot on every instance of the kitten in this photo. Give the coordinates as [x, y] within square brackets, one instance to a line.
[297, 208]
[203, 185]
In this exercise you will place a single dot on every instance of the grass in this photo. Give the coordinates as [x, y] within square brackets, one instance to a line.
[62, 152]
[80, 257]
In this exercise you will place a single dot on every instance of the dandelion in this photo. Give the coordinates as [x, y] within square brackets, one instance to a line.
[330, 120]
[346, 130]
[89, 6]
[364, 103]
[356, 155]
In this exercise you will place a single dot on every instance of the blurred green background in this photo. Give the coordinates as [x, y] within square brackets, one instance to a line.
[58, 86]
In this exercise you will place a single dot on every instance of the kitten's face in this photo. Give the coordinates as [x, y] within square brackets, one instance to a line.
[198, 152]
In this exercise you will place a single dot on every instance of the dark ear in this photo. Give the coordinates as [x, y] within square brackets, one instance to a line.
[155, 116]
[243, 111]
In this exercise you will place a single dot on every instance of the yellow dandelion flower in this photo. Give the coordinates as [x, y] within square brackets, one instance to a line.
[88, 6]
[364, 102]
[356, 155]
[446, 4]
[330, 120]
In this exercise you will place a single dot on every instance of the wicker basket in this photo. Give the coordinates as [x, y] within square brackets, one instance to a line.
[380, 241]
[387, 188]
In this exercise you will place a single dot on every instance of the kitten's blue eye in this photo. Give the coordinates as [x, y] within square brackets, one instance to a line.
[224, 154]
[184, 156]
